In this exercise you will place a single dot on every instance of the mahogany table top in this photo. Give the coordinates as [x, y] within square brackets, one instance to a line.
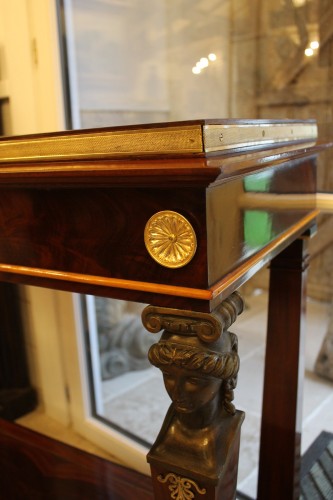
[176, 214]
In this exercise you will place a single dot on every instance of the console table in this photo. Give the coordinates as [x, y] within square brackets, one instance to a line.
[179, 216]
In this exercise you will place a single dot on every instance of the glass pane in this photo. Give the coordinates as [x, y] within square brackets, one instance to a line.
[141, 61]
[126, 391]
[133, 61]
[130, 62]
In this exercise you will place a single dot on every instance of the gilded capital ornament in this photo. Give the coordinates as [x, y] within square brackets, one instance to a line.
[208, 327]
[180, 487]
[170, 239]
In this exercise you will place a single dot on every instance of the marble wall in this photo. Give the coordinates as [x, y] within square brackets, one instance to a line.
[274, 78]
[120, 59]
[135, 59]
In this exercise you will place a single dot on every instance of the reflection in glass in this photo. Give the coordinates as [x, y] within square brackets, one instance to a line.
[136, 61]
[257, 228]
[126, 389]
[257, 223]
[131, 62]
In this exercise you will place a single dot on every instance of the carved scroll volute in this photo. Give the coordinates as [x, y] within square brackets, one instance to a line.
[187, 323]
[208, 327]
[229, 309]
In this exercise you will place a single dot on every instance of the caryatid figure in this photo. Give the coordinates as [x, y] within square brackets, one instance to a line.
[200, 374]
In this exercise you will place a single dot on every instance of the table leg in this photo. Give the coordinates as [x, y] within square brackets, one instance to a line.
[279, 461]
[196, 452]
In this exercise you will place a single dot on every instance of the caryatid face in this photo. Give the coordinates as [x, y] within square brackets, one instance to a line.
[188, 390]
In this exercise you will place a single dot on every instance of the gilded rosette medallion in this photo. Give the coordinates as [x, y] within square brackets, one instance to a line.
[170, 239]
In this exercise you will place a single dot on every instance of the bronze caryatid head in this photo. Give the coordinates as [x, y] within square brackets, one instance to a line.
[194, 375]
[197, 356]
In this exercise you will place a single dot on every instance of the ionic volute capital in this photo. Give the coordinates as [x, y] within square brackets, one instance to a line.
[208, 327]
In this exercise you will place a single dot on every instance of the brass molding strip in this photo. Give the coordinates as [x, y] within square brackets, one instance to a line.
[249, 267]
[193, 293]
[73, 168]
[255, 263]
[169, 139]
[107, 144]
[221, 137]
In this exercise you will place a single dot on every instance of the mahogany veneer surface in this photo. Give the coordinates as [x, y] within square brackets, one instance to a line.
[75, 222]
[35, 467]
[87, 219]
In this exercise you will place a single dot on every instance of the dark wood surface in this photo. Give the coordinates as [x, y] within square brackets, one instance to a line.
[17, 396]
[243, 228]
[12, 352]
[87, 219]
[97, 230]
[35, 467]
[279, 464]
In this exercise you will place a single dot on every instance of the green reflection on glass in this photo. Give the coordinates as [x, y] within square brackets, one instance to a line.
[258, 183]
[257, 228]
[257, 223]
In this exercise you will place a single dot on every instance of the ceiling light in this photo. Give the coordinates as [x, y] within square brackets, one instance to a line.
[204, 62]
[314, 44]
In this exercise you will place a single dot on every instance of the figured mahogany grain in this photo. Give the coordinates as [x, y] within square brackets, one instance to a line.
[88, 217]
[39, 468]
[97, 231]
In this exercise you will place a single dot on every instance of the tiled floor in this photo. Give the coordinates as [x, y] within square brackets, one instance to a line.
[250, 328]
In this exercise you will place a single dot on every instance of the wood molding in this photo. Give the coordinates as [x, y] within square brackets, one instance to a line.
[219, 290]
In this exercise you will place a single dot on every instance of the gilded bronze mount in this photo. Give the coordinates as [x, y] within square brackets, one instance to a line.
[207, 326]
[199, 360]
[170, 239]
